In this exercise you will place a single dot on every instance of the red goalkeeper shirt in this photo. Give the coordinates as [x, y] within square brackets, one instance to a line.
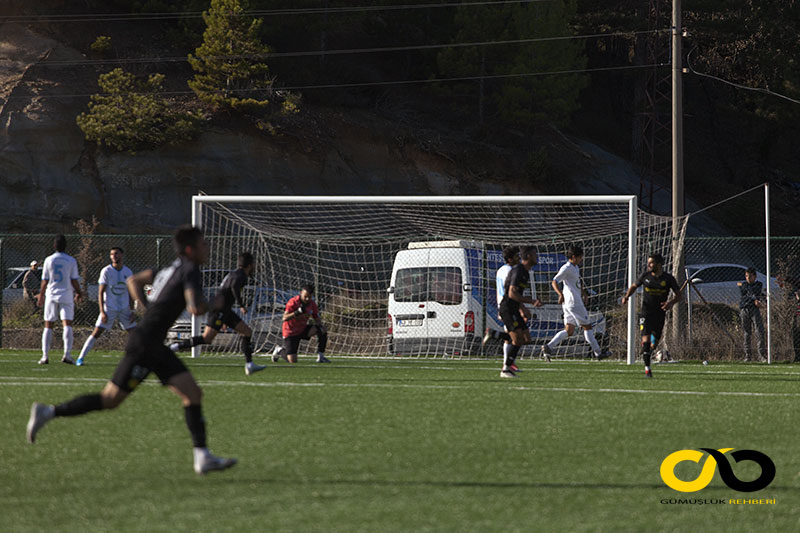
[297, 325]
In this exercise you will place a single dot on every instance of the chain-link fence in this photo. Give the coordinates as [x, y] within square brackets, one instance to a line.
[21, 321]
[713, 329]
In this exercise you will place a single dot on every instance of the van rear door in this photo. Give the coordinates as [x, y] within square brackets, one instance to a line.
[408, 300]
[448, 304]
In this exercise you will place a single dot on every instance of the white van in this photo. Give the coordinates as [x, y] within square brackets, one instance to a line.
[442, 295]
[435, 298]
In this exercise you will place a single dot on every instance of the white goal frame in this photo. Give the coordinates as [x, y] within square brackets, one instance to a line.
[630, 200]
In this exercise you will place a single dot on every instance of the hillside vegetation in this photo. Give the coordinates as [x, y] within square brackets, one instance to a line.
[274, 67]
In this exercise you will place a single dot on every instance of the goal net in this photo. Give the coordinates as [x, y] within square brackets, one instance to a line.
[415, 276]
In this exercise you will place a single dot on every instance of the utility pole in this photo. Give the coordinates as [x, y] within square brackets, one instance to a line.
[679, 313]
[677, 112]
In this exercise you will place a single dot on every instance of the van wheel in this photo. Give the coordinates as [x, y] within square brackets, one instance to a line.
[390, 345]
[603, 340]
[472, 346]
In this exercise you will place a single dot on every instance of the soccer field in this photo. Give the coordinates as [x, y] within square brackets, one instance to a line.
[402, 445]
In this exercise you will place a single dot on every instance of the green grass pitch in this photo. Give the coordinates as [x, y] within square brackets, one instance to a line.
[401, 445]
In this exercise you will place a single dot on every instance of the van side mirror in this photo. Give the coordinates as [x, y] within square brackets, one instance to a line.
[390, 290]
[468, 287]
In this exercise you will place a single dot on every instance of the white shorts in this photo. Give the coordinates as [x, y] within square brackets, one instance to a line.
[123, 316]
[54, 311]
[577, 316]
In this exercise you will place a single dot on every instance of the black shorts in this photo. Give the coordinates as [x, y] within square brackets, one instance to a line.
[652, 324]
[226, 316]
[511, 318]
[141, 358]
[291, 344]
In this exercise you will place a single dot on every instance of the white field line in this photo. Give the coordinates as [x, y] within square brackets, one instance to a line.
[532, 367]
[219, 383]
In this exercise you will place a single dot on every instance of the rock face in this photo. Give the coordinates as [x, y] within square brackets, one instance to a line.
[49, 176]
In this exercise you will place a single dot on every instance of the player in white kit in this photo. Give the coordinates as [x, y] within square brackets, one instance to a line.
[113, 299]
[572, 300]
[59, 289]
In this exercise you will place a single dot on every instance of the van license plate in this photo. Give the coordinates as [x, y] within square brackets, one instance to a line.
[409, 322]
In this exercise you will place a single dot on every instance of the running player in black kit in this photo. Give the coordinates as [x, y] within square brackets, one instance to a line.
[176, 287]
[655, 304]
[229, 293]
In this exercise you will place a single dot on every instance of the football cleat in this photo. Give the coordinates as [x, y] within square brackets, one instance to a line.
[67, 360]
[251, 368]
[507, 373]
[322, 359]
[514, 368]
[41, 414]
[278, 353]
[79, 361]
[602, 355]
[546, 353]
[43, 361]
[648, 373]
[209, 463]
[487, 336]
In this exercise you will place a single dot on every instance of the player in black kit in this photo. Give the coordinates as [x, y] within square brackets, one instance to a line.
[512, 310]
[655, 304]
[229, 293]
[176, 287]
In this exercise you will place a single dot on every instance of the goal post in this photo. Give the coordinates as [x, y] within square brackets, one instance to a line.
[415, 275]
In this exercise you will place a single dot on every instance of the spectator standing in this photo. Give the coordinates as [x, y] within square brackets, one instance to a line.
[750, 313]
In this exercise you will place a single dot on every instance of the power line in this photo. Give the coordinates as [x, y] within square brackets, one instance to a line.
[370, 84]
[737, 85]
[726, 200]
[103, 17]
[344, 51]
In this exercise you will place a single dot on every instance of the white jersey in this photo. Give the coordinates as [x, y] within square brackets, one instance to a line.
[502, 274]
[116, 297]
[59, 270]
[570, 275]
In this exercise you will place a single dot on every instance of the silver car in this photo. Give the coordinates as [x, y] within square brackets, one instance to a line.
[12, 292]
[718, 283]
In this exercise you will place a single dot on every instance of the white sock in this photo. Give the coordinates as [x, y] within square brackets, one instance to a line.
[200, 453]
[506, 349]
[560, 336]
[87, 346]
[588, 334]
[67, 336]
[47, 340]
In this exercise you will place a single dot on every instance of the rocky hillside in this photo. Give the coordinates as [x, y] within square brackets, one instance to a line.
[49, 176]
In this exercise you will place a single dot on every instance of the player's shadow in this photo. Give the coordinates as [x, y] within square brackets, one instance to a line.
[468, 484]
[447, 484]
[745, 378]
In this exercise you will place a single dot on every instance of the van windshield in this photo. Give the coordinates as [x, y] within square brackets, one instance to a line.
[437, 284]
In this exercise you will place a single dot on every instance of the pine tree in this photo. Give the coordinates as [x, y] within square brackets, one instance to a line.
[520, 98]
[132, 115]
[229, 71]
[550, 98]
